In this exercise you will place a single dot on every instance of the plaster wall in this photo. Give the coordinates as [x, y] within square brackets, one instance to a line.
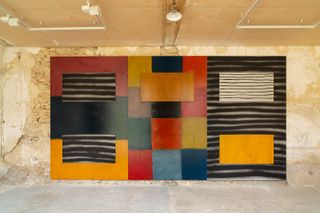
[25, 102]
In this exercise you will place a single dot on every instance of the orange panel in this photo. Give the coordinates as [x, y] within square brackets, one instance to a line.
[167, 87]
[246, 149]
[93, 171]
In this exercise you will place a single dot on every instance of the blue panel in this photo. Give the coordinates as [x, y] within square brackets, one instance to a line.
[194, 164]
[167, 64]
[56, 118]
[166, 164]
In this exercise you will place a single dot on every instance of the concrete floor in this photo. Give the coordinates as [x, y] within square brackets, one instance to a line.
[167, 197]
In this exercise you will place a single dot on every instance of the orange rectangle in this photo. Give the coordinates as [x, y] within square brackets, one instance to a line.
[167, 87]
[246, 149]
[89, 171]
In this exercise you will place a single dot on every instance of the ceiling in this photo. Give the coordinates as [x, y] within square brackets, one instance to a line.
[142, 23]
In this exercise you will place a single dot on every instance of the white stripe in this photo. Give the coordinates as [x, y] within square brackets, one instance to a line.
[89, 84]
[87, 90]
[86, 96]
[88, 135]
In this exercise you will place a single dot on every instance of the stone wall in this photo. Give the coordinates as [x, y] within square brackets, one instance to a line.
[25, 148]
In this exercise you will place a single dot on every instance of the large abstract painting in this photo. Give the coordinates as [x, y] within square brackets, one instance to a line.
[168, 118]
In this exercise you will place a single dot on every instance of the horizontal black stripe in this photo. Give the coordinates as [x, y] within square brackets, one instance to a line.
[243, 121]
[75, 160]
[252, 166]
[247, 174]
[247, 126]
[88, 149]
[213, 151]
[102, 144]
[243, 63]
[83, 92]
[247, 131]
[248, 104]
[248, 109]
[88, 154]
[107, 87]
[91, 99]
[87, 81]
[283, 159]
[257, 116]
[244, 58]
[247, 68]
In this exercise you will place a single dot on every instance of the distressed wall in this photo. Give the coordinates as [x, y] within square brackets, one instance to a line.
[26, 105]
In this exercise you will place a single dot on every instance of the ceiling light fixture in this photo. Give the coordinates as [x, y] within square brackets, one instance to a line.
[12, 22]
[174, 15]
[91, 10]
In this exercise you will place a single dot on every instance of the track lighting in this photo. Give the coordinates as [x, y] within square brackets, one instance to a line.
[91, 10]
[13, 22]
[174, 15]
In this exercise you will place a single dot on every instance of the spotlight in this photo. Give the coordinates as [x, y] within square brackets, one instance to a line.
[91, 10]
[5, 19]
[174, 15]
[13, 22]
[94, 11]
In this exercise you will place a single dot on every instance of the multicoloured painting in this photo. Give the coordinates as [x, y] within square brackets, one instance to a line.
[168, 118]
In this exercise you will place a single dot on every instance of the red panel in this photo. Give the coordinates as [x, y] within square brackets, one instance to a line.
[118, 65]
[166, 133]
[198, 107]
[197, 65]
[140, 164]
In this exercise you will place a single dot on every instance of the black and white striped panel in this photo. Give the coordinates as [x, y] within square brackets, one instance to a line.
[79, 148]
[254, 116]
[89, 87]
[246, 86]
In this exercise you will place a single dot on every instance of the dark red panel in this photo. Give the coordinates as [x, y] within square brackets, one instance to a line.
[140, 165]
[118, 65]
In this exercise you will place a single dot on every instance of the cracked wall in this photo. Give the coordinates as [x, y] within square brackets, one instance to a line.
[26, 104]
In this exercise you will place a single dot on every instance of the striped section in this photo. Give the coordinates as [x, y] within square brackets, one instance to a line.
[246, 86]
[246, 117]
[88, 148]
[88, 87]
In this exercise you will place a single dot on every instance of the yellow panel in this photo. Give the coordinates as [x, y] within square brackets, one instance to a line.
[93, 171]
[194, 133]
[136, 66]
[167, 87]
[246, 149]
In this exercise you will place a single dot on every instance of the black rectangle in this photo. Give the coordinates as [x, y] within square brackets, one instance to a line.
[166, 109]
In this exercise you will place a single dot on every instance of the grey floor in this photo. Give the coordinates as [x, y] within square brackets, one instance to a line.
[217, 197]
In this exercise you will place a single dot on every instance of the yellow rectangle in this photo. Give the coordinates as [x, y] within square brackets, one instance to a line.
[246, 149]
[194, 133]
[89, 171]
[136, 66]
[167, 87]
